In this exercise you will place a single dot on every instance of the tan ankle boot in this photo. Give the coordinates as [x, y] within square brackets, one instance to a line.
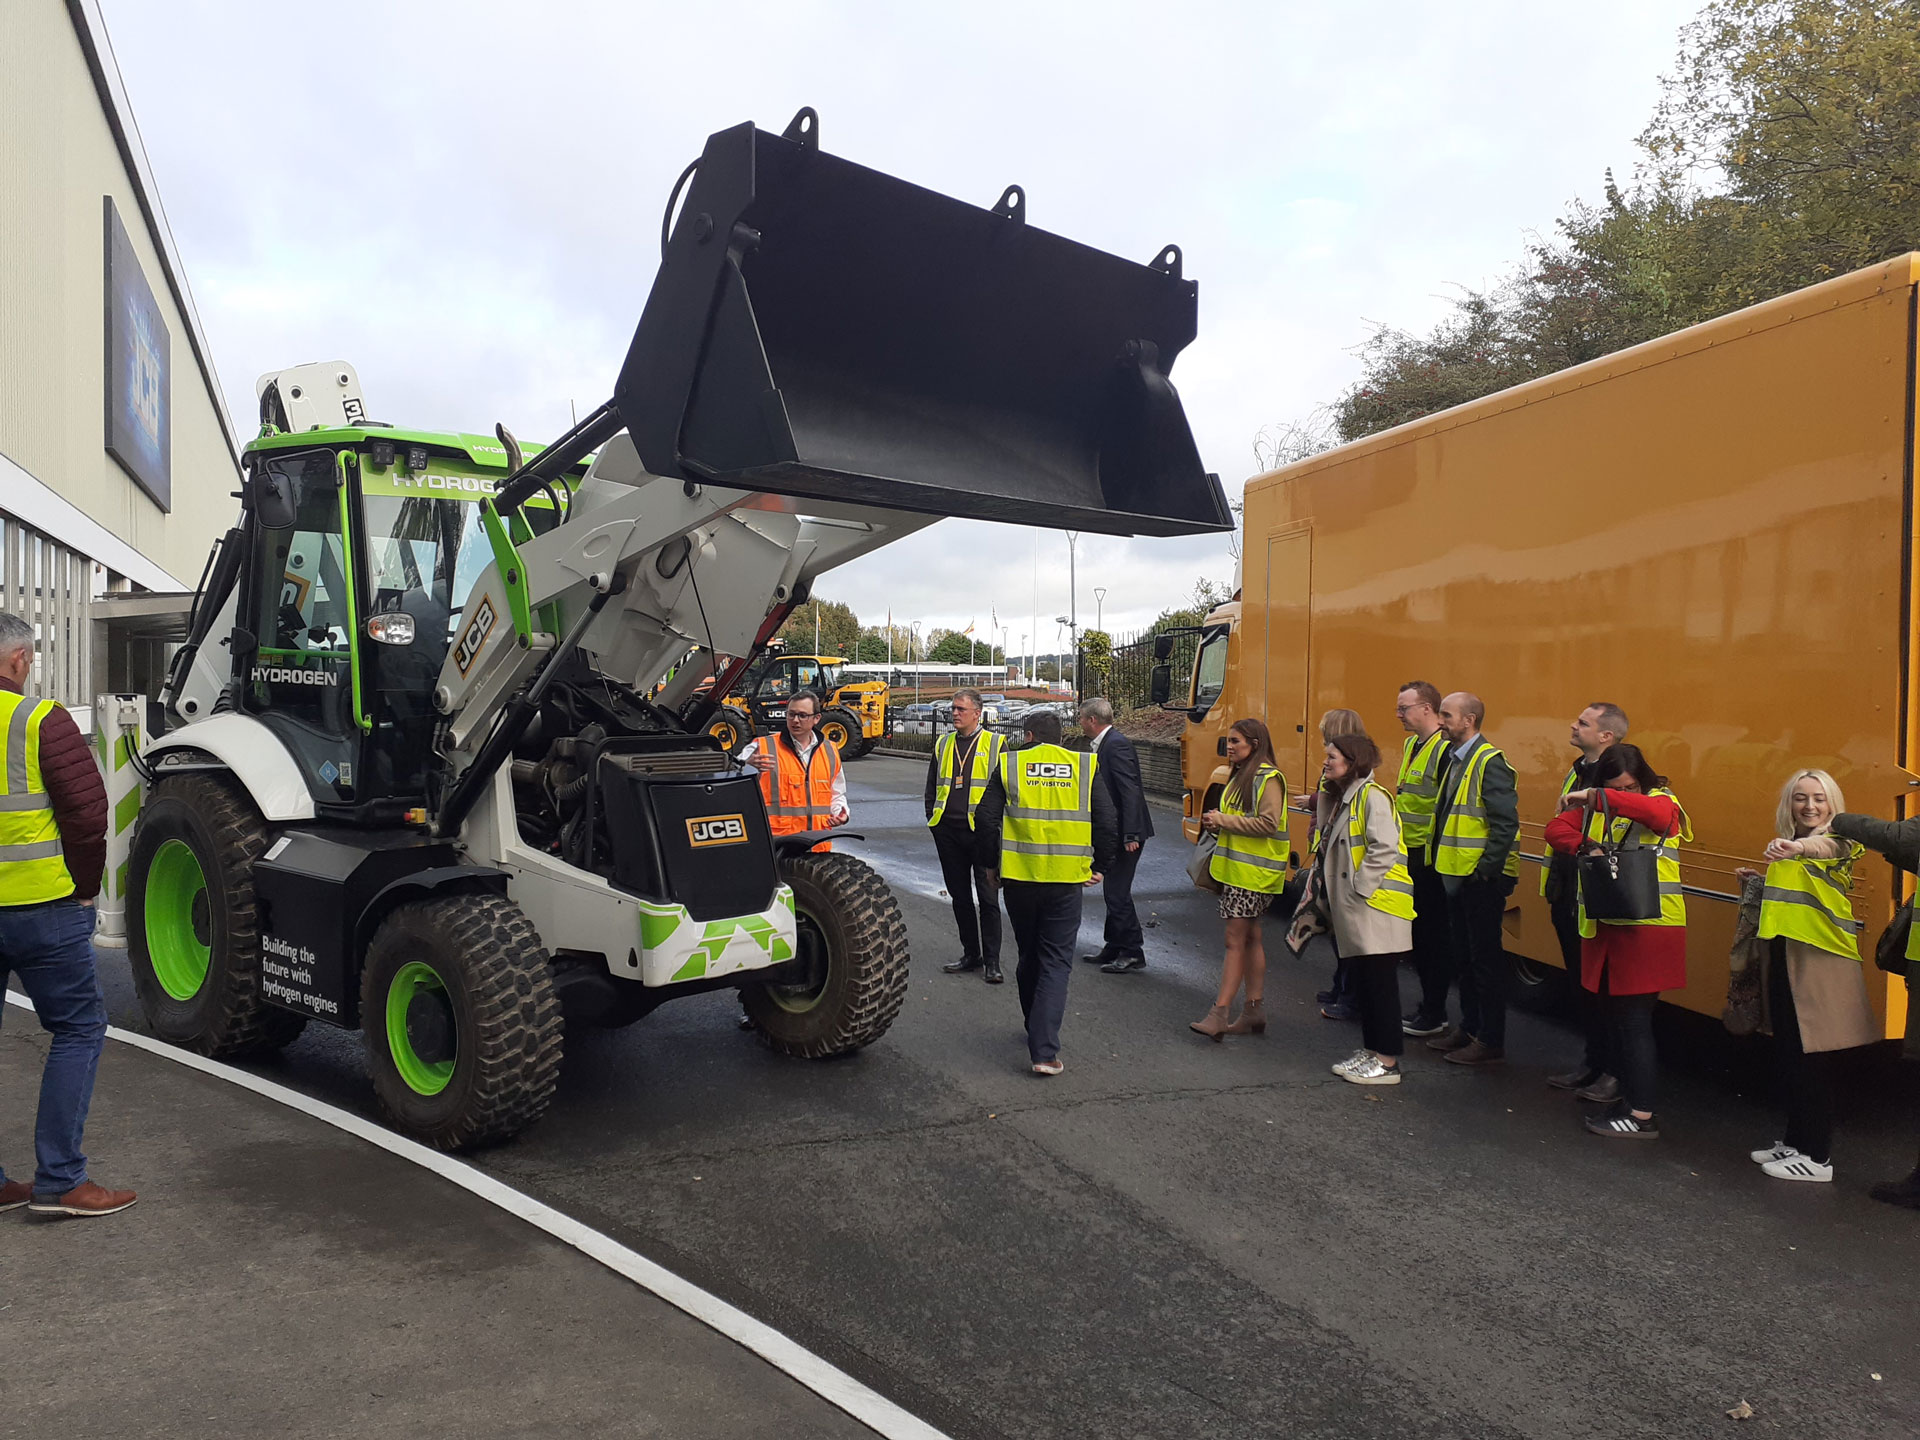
[1214, 1026]
[1252, 1021]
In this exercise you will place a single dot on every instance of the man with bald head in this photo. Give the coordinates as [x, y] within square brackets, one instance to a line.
[1476, 823]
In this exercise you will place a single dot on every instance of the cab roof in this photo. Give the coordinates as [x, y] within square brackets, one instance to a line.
[482, 451]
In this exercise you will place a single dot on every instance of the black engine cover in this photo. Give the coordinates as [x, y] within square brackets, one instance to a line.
[698, 840]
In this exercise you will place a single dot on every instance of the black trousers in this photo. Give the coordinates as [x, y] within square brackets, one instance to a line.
[979, 925]
[1432, 947]
[1586, 1006]
[1376, 990]
[1122, 932]
[1046, 922]
[1630, 1045]
[1474, 911]
[1805, 1081]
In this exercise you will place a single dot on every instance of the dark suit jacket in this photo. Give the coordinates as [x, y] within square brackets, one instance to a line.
[1500, 794]
[1119, 770]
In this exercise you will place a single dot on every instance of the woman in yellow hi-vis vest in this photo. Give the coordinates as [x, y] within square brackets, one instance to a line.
[1361, 870]
[1251, 865]
[1627, 963]
[1813, 994]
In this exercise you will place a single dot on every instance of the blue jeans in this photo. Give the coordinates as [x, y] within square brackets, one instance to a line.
[50, 947]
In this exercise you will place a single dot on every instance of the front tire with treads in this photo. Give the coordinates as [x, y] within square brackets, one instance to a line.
[853, 945]
[193, 927]
[463, 1028]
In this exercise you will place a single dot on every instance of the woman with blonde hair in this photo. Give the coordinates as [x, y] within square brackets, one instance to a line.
[1341, 999]
[1813, 994]
[1251, 865]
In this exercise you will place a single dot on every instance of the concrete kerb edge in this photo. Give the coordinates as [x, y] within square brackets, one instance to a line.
[831, 1384]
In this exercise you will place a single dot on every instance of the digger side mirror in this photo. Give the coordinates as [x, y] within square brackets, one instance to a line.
[273, 500]
[1163, 648]
[1160, 684]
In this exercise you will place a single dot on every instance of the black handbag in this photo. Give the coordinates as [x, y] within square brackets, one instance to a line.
[1618, 881]
[1890, 951]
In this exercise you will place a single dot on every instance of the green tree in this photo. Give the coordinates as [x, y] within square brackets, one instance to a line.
[953, 648]
[839, 628]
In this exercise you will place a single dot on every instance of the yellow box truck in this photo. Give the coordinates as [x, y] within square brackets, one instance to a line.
[1714, 530]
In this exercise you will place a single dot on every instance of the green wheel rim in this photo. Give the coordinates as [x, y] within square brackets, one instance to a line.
[424, 1077]
[179, 941]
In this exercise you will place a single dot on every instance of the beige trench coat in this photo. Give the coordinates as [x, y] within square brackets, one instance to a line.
[1358, 928]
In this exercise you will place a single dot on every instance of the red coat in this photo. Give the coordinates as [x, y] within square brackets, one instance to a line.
[1627, 959]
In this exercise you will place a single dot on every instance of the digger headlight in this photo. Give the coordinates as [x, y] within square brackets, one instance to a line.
[390, 629]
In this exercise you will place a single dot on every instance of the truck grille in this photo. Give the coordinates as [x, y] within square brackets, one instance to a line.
[671, 763]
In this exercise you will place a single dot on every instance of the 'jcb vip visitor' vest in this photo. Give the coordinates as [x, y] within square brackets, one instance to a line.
[32, 868]
[987, 746]
[1807, 900]
[1457, 849]
[1252, 862]
[1417, 790]
[1673, 901]
[1046, 833]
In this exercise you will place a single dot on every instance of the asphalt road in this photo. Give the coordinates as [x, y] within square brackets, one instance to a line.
[1177, 1238]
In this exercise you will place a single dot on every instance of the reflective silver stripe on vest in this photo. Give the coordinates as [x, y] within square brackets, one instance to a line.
[39, 850]
[1249, 857]
[1027, 812]
[17, 748]
[1028, 847]
[36, 800]
[1470, 812]
[1399, 886]
[1774, 895]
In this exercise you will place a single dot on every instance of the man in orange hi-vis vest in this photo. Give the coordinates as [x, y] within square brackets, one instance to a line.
[800, 775]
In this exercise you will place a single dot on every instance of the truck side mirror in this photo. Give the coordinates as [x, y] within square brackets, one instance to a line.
[1160, 684]
[273, 499]
[1162, 649]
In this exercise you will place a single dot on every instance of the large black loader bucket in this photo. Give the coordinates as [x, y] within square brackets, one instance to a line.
[822, 330]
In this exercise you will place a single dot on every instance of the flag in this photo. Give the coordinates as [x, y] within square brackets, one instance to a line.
[969, 629]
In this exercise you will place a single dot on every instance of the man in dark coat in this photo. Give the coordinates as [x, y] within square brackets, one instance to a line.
[1119, 771]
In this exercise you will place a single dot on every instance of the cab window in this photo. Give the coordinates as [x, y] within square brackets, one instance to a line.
[1210, 670]
[302, 608]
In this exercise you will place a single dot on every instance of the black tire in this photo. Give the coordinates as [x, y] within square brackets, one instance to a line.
[732, 727]
[496, 1000]
[219, 827]
[841, 729]
[852, 931]
[862, 749]
[1539, 988]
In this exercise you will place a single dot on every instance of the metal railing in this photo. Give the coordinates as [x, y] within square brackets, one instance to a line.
[51, 588]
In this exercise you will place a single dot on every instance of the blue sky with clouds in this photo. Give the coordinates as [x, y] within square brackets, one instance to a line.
[464, 199]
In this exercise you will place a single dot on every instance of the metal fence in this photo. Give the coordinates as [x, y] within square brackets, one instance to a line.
[1126, 676]
[51, 588]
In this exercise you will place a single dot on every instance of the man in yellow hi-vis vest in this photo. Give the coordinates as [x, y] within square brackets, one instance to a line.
[962, 762]
[1595, 728]
[1050, 831]
[53, 830]
[1475, 826]
[1416, 792]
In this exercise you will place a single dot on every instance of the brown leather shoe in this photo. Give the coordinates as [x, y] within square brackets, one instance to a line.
[14, 1194]
[85, 1199]
[1452, 1038]
[1476, 1053]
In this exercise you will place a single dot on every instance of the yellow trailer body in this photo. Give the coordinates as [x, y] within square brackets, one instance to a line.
[1713, 530]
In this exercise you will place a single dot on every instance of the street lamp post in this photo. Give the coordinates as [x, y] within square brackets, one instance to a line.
[1073, 639]
[913, 648]
[1073, 604]
[1099, 601]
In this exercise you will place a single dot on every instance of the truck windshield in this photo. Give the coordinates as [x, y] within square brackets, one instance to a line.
[423, 555]
[1210, 670]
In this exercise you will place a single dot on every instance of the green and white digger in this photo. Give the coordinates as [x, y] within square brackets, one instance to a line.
[413, 781]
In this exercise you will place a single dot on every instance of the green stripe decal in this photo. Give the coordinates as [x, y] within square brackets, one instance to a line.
[127, 809]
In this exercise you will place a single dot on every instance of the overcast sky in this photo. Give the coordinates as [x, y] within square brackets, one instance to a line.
[464, 199]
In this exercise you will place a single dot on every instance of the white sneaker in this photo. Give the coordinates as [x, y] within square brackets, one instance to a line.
[1366, 1069]
[1779, 1150]
[1798, 1167]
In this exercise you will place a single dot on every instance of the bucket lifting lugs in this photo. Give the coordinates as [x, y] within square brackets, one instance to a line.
[821, 330]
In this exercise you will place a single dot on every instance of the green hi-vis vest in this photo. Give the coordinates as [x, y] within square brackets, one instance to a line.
[32, 868]
[1566, 789]
[986, 755]
[1807, 900]
[1395, 895]
[1252, 862]
[1417, 790]
[1673, 901]
[1456, 850]
[1047, 833]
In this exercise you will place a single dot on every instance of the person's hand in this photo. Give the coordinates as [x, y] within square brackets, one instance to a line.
[1784, 850]
[1210, 820]
[88, 903]
[1301, 804]
[1133, 846]
[1746, 872]
[840, 815]
[1093, 879]
[761, 761]
[1575, 798]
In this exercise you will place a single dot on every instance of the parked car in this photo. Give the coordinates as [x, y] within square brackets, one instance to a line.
[914, 720]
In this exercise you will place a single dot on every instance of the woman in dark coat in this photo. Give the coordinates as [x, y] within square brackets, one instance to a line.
[1899, 841]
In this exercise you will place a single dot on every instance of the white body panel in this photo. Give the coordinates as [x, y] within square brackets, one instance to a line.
[325, 392]
[255, 755]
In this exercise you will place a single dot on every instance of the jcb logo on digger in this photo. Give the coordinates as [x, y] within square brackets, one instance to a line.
[717, 830]
[478, 629]
[1047, 770]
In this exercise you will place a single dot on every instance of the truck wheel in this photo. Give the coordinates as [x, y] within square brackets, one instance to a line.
[732, 727]
[853, 949]
[463, 1029]
[839, 729]
[193, 930]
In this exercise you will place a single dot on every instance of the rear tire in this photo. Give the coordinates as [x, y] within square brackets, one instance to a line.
[1539, 988]
[463, 1028]
[841, 730]
[732, 727]
[852, 932]
[193, 927]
